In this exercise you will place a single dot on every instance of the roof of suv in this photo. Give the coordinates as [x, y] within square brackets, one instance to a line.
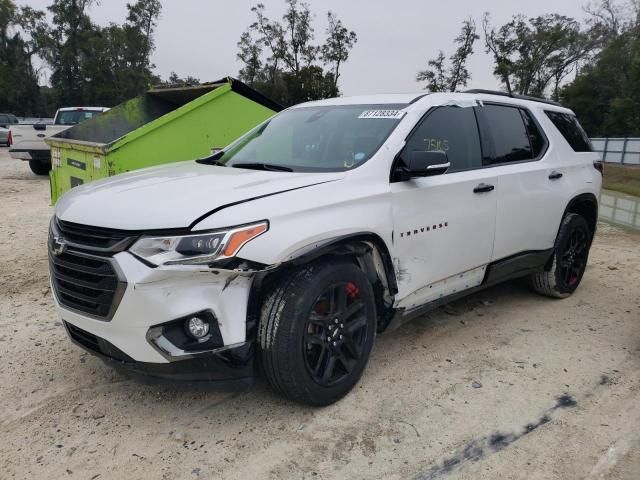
[378, 99]
[411, 98]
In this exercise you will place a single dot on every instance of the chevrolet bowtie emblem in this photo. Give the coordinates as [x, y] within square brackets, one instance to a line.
[58, 245]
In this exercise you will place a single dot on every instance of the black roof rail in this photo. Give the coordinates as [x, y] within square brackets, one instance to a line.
[519, 97]
[418, 98]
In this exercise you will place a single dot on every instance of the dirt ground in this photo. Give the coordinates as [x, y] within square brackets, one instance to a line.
[503, 384]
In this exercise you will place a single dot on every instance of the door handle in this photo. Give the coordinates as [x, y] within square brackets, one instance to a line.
[483, 188]
[555, 175]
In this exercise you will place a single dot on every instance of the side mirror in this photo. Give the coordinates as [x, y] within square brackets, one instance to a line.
[40, 126]
[424, 163]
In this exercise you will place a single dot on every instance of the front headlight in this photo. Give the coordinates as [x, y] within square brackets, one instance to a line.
[197, 249]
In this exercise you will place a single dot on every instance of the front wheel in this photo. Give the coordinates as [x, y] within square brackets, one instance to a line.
[571, 252]
[316, 331]
[39, 168]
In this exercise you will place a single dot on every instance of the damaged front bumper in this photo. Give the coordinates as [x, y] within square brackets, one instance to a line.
[144, 336]
[225, 368]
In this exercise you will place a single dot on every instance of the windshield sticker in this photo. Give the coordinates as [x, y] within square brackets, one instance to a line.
[436, 144]
[393, 114]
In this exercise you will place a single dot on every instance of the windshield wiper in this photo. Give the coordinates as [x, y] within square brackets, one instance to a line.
[213, 159]
[263, 166]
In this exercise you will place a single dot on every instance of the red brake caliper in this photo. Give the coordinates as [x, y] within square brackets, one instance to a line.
[352, 290]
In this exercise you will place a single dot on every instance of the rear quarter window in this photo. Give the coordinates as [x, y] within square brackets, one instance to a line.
[571, 130]
[510, 135]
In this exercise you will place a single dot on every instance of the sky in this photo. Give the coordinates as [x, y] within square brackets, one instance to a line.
[396, 38]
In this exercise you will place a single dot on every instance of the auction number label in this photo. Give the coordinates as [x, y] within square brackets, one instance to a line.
[394, 114]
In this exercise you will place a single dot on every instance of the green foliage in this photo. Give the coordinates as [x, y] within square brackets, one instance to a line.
[340, 41]
[606, 94]
[443, 78]
[101, 66]
[89, 64]
[21, 39]
[534, 55]
[281, 60]
[175, 80]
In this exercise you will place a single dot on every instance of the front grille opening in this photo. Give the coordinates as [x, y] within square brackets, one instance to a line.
[97, 344]
[87, 284]
[85, 339]
[96, 237]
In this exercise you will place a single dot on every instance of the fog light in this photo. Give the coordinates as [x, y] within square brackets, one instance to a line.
[197, 327]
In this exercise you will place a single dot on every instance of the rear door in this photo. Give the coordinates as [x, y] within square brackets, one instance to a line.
[531, 187]
[443, 225]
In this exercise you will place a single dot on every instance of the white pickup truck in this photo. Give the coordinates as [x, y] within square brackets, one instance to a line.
[28, 139]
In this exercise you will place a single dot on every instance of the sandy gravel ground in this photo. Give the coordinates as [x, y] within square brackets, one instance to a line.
[504, 384]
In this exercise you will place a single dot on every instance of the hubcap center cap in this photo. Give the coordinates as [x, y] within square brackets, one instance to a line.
[336, 333]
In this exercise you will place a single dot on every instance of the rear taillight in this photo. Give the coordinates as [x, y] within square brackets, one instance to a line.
[10, 140]
[599, 165]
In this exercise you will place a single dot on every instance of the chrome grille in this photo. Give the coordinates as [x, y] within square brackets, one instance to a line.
[86, 281]
[94, 238]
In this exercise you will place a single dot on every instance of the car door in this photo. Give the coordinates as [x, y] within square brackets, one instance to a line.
[443, 225]
[531, 189]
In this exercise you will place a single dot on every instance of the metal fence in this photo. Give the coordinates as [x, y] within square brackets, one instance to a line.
[620, 209]
[618, 150]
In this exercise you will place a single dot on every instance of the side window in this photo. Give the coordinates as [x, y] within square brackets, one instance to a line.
[510, 136]
[4, 119]
[536, 139]
[453, 130]
[571, 130]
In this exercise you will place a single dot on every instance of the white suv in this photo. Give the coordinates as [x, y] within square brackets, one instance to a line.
[331, 222]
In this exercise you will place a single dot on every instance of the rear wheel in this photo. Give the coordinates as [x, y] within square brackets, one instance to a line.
[39, 168]
[571, 252]
[316, 331]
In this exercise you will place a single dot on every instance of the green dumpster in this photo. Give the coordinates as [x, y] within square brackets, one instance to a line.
[160, 126]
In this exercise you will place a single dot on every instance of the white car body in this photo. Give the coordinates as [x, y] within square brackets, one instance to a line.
[4, 136]
[430, 237]
[28, 138]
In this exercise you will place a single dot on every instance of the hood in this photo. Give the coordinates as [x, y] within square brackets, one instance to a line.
[174, 195]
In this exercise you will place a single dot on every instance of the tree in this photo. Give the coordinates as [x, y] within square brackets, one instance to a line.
[340, 42]
[175, 80]
[70, 36]
[282, 60]
[101, 65]
[605, 18]
[435, 75]
[443, 78]
[249, 54]
[21, 39]
[532, 55]
[606, 93]
[143, 18]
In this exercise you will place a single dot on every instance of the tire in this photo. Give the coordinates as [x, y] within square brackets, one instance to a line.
[295, 352]
[569, 261]
[39, 168]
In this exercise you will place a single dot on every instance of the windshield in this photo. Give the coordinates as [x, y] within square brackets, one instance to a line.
[316, 139]
[73, 117]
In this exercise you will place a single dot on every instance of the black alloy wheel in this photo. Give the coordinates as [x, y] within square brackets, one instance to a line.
[316, 331]
[569, 262]
[336, 332]
[573, 260]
